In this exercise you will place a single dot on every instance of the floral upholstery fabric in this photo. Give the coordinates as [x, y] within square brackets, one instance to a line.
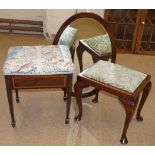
[68, 36]
[100, 44]
[115, 75]
[38, 60]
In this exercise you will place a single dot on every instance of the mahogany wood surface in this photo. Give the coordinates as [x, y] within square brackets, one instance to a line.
[39, 81]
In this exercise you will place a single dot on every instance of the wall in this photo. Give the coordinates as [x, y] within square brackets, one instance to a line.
[54, 18]
[24, 14]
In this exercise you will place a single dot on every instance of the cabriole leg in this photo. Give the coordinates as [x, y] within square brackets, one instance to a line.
[145, 94]
[130, 107]
[78, 94]
[79, 52]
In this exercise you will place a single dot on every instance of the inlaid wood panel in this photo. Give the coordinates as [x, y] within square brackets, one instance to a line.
[39, 81]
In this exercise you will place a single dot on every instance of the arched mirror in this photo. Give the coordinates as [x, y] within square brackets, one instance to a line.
[88, 26]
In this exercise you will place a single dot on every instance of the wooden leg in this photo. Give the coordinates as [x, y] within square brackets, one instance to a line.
[69, 94]
[95, 100]
[10, 100]
[65, 94]
[130, 107]
[17, 96]
[88, 94]
[78, 94]
[95, 58]
[72, 49]
[79, 52]
[142, 101]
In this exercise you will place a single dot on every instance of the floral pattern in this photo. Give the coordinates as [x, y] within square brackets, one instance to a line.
[68, 36]
[100, 44]
[115, 75]
[38, 60]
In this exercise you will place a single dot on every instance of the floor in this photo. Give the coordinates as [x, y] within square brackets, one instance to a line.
[40, 114]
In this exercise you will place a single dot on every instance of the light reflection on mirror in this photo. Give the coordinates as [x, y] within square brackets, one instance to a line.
[87, 28]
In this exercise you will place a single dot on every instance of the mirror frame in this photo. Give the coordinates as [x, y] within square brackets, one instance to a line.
[91, 16]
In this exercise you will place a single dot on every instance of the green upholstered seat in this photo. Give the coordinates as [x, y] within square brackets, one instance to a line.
[115, 75]
[100, 44]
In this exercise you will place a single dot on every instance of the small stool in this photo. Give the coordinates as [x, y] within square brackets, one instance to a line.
[123, 82]
[33, 67]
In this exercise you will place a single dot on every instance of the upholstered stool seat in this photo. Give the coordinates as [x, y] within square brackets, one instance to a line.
[101, 44]
[125, 83]
[33, 67]
[38, 60]
[115, 75]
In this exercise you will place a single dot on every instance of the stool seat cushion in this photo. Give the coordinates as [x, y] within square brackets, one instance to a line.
[115, 75]
[100, 44]
[68, 37]
[38, 60]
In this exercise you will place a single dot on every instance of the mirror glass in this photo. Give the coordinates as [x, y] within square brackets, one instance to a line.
[86, 28]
